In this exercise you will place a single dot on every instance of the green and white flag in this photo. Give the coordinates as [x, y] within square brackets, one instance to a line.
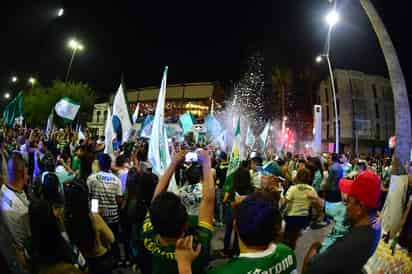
[67, 108]
[250, 137]
[234, 161]
[13, 110]
[264, 136]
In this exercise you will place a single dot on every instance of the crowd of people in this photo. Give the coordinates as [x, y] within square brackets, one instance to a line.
[68, 207]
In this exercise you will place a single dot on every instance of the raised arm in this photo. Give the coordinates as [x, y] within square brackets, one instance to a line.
[165, 179]
[206, 210]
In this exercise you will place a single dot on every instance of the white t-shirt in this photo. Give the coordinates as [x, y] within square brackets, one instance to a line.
[14, 207]
[123, 178]
[106, 187]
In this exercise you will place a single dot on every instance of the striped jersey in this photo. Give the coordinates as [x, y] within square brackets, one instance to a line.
[105, 186]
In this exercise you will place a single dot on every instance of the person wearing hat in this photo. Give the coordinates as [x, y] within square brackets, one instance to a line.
[350, 253]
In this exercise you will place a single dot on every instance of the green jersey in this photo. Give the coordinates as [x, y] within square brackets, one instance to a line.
[163, 257]
[278, 258]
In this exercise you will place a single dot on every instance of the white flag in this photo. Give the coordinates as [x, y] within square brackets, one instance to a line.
[135, 115]
[80, 135]
[250, 137]
[49, 125]
[121, 114]
[108, 133]
[264, 136]
[159, 155]
[67, 108]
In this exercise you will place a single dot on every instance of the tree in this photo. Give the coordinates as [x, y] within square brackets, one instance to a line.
[400, 94]
[40, 101]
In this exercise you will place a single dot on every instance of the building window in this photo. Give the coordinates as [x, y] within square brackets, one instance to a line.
[374, 91]
[105, 115]
[377, 111]
[326, 95]
[98, 116]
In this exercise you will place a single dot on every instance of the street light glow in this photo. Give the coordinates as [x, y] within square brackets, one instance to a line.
[14, 79]
[75, 45]
[332, 18]
[32, 81]
[60, 13]
[7, 95]
[319, 59]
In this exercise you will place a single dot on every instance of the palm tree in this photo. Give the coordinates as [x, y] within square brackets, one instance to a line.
[400, 94]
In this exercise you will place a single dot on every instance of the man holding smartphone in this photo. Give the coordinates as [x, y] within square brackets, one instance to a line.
[106, 187]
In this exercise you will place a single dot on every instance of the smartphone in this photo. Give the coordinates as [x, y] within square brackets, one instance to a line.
[95, 206]
[191, 157]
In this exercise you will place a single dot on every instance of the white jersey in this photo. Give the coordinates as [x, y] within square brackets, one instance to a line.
[14, 207]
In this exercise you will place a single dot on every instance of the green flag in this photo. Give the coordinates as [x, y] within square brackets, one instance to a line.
[187, 121]
[234, 162]
[13, 110]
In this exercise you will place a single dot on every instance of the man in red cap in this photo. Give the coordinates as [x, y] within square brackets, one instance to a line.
[349, 254]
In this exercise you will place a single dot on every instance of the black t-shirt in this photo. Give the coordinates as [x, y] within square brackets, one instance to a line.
[347, 255]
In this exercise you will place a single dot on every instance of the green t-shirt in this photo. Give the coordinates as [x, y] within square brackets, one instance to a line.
[75, 163]
[278, 258]
[163, 257]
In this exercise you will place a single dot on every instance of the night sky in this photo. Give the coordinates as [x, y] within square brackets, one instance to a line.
[198, 40]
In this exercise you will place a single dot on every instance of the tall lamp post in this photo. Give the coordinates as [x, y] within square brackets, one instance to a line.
[75, 46]
[332, 19]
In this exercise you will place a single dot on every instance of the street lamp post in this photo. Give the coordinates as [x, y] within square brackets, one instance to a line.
[332, 19]
[75, 46]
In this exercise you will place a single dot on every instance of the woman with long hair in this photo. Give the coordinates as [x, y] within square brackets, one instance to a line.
[88, 230]
[50, 251]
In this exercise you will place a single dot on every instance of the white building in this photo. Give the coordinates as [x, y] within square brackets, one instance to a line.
[180, 98]
[365, 111]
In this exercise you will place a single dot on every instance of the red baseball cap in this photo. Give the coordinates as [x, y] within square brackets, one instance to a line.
[366, 188]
